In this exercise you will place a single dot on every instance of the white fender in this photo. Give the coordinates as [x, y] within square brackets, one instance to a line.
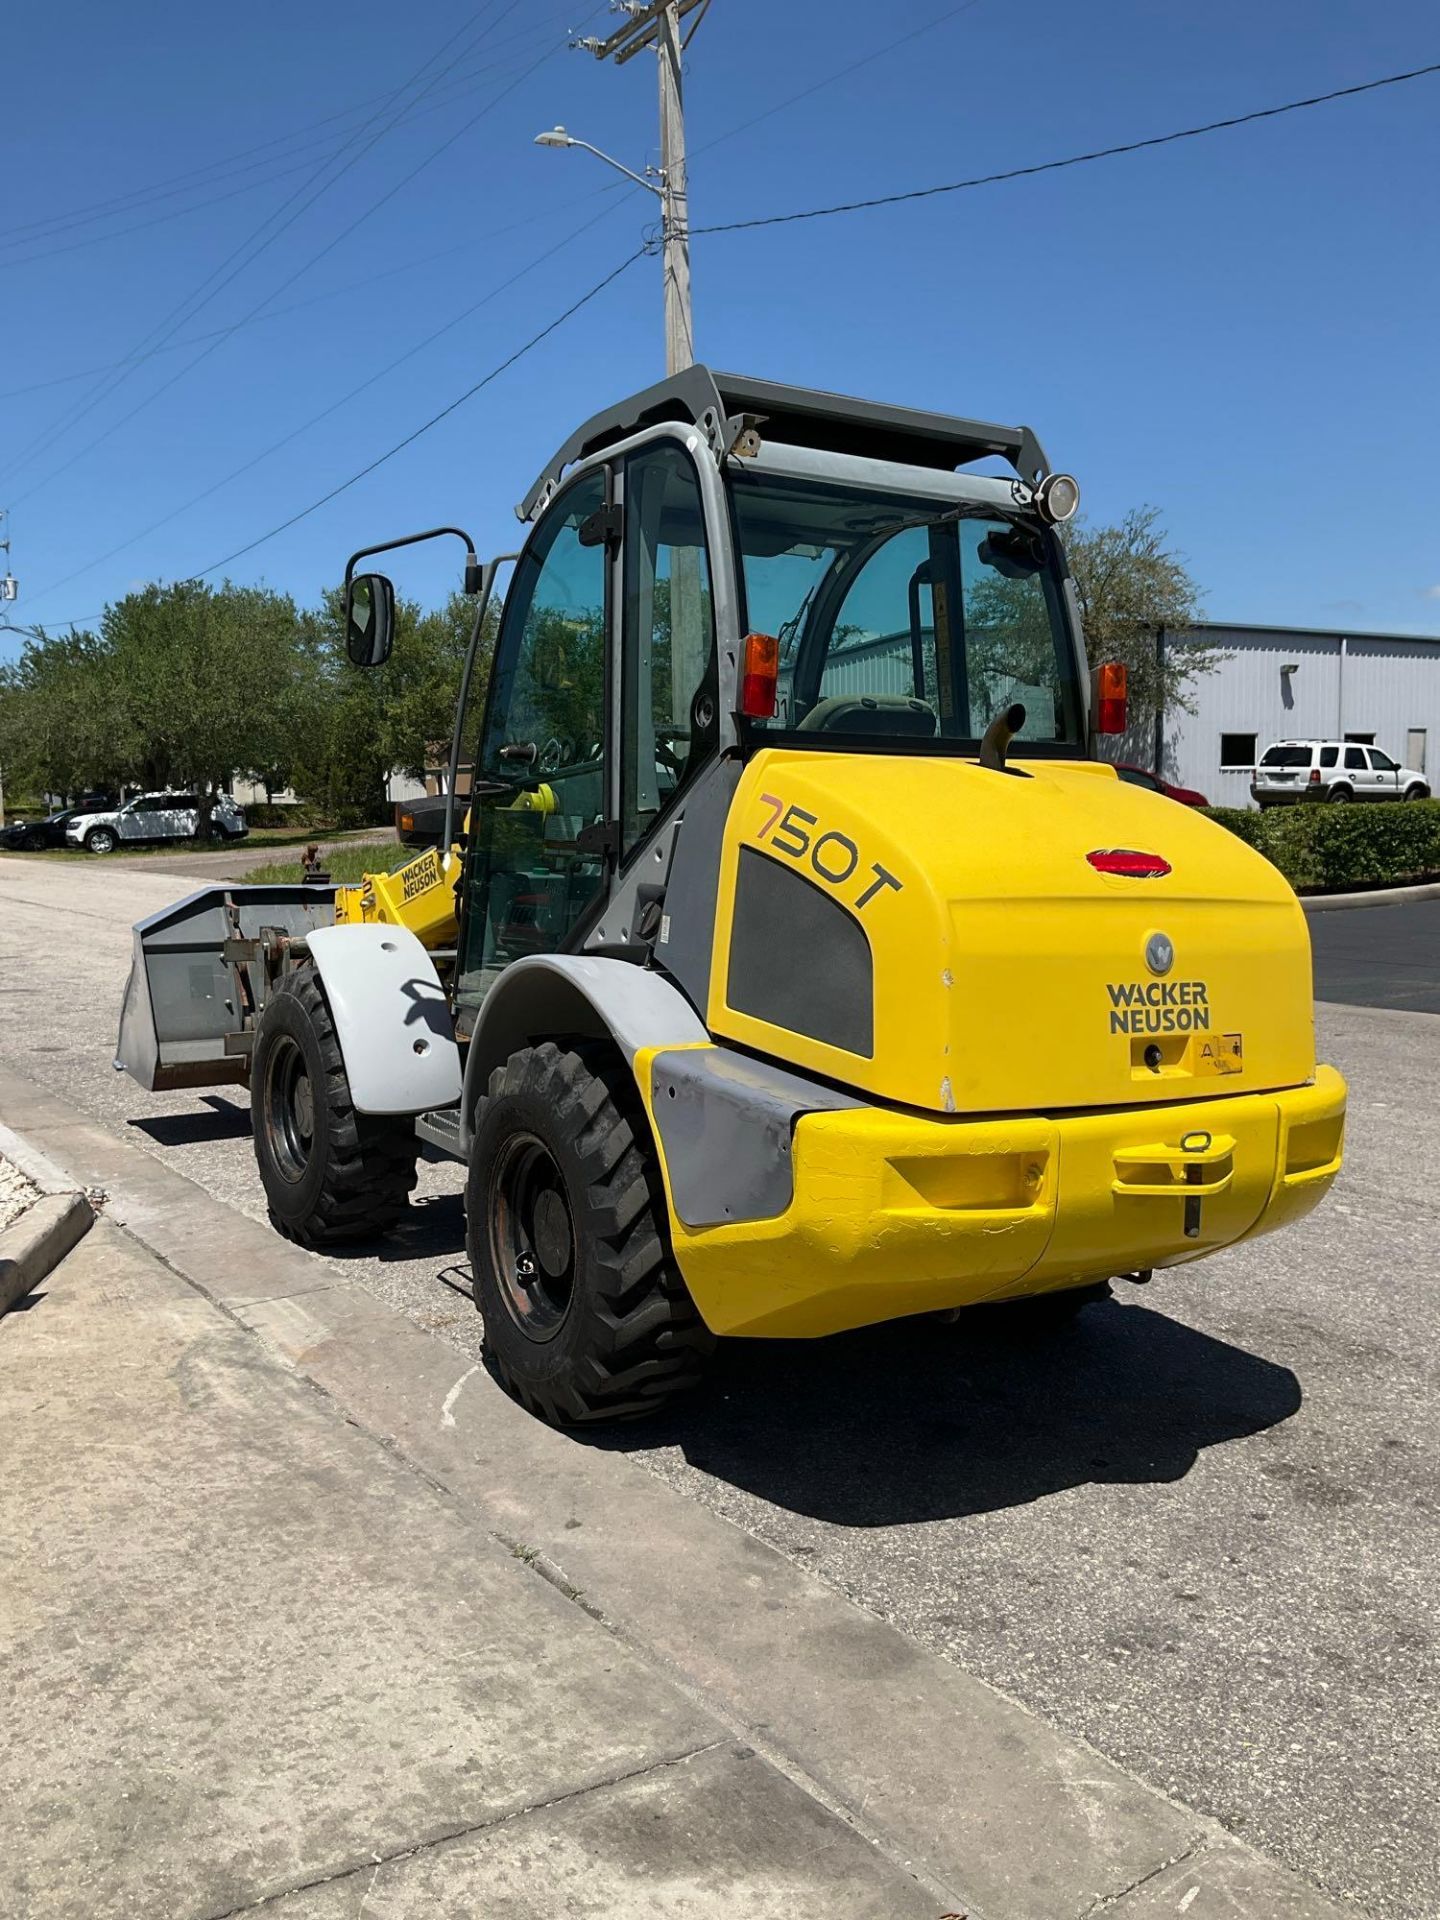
[549, 993]
[391, 1019]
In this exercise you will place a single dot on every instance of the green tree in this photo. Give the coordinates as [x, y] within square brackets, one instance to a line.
[355, 726]
[1130, 584]
[57, 706]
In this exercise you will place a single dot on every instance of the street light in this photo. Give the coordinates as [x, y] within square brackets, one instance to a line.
[653, 177]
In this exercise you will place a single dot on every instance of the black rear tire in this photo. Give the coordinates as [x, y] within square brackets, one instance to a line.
[330, 1174]
[586, 1315]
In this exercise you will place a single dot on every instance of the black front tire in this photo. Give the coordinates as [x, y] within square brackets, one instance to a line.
[586, 1315]
[100, 840]
[330, 1174]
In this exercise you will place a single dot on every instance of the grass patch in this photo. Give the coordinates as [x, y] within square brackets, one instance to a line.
[345, 863]
[377, 851]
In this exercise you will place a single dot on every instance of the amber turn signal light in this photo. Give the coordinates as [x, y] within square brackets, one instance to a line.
[759, 676]
[1111, 697]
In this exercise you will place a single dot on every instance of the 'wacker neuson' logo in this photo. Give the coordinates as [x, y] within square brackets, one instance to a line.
[1158, 1006]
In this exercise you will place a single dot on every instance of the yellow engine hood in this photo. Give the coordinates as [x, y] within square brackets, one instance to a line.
[1006, 973]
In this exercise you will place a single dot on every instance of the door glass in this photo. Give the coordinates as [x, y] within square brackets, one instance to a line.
[141, 819]
[540, 772]
[669, 636]
[1355, 759]
[1381, 762]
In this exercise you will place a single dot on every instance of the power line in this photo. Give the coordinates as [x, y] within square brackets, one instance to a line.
[193, 302]
[468, 245]
[434, 420]
[1072, 160]
[77, 620]
[210, 171]
[290, 280]
[335, 406]
[122, 204]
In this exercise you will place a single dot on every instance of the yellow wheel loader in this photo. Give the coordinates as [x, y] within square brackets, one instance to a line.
[794, 963]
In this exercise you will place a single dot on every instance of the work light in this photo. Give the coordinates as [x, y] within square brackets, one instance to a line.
[1057, 497]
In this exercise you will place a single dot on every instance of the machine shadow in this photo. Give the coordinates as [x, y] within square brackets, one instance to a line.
[224, 1121]
[924, 1420]
[433, 1229]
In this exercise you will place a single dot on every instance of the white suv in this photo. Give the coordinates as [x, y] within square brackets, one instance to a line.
[1332, 770]
[153, 816]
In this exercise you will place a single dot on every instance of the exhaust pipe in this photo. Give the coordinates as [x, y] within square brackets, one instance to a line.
[998, 735]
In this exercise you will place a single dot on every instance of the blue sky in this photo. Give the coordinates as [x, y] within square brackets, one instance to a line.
[1241, 330]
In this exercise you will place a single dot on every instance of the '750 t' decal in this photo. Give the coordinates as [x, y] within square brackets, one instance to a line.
[833, 856]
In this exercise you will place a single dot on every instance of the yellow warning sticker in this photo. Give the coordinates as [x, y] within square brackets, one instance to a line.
[1218, 1053]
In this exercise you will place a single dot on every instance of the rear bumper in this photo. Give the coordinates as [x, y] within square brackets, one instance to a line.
[895, 1214]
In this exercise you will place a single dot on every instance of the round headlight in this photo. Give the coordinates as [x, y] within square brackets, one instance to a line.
[1057, 497]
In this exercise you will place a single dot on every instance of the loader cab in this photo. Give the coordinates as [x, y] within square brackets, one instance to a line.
[909, 604]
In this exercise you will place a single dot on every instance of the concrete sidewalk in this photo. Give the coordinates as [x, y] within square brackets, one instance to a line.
[372, 1607]
[252, 1654]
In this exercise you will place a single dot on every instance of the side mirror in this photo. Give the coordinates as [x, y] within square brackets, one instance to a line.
[369, 619]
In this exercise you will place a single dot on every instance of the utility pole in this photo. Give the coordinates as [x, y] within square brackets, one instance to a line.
[656, 23]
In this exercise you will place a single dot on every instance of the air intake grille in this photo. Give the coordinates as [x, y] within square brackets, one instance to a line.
[798, 960]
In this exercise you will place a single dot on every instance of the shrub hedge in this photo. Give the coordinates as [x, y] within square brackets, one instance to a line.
[1322, 848]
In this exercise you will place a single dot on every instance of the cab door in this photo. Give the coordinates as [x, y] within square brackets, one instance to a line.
[541, 833]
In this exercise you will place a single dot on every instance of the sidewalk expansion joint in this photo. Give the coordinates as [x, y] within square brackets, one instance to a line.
[773, 1752]
[1106, 1902]
[376, 1861]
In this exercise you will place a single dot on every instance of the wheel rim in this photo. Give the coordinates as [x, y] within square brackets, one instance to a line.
[288, 1109]
[532, 1237]
[101, 842]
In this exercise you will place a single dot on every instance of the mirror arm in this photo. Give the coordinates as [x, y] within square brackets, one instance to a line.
[486, 584]
[473, 569]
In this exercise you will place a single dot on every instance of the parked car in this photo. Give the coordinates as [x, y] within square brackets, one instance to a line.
[25, 836]
[1294, 770]
[1142, 777]
[153, 816]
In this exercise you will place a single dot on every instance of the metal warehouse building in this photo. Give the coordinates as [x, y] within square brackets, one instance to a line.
[1297, 683]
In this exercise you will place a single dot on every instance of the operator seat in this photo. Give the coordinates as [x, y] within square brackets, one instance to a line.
[887, 713]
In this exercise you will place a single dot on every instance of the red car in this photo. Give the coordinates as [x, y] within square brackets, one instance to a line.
[1141, 777]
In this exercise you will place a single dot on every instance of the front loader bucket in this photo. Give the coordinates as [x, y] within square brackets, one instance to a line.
[184, 1020]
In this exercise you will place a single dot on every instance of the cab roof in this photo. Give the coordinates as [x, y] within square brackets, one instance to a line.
[724, 405]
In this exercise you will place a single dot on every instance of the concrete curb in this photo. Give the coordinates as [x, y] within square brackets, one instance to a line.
[1376, 897]
[39, 1241]
[39, 1171]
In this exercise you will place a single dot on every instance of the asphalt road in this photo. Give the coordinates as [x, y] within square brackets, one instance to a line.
[1379, 956]
[1201, 1532]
